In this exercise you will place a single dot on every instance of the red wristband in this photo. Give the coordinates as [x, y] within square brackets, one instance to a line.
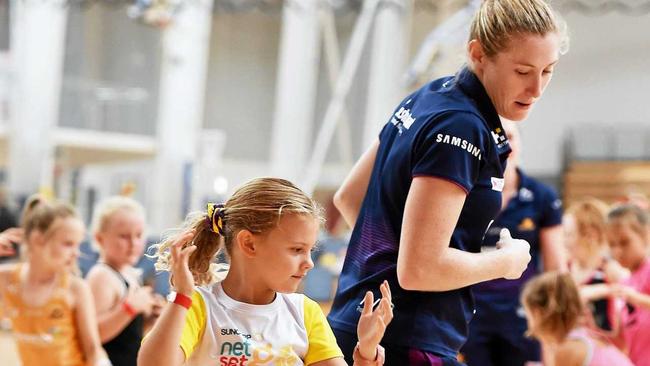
[183, 300]
[129, 309]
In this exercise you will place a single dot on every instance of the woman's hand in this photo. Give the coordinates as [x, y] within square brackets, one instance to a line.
[372, 324]
[182, 278]
[518, 253]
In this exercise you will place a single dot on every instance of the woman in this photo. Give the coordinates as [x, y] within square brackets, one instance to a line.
[422, 197]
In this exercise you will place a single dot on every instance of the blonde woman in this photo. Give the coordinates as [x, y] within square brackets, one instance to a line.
[423, 195]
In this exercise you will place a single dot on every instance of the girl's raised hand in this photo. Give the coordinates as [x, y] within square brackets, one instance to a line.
[182, 278]
[7, 238]
[372, 324]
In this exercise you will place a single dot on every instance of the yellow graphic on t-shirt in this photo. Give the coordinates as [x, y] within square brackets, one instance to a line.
[256, 354]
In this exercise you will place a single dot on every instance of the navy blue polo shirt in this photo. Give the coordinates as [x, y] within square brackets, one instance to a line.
[535, 206]
[447, 129]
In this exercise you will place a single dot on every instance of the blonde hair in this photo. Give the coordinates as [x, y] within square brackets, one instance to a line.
[40, 215]
[632, 215]
[590, 215]
[497, 21]
[256, 206]
[107, 208]
[554, 299]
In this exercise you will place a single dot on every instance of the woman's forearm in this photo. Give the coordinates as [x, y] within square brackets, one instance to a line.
[452, 270]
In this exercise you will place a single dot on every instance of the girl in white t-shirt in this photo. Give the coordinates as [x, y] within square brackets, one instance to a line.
[253, 317]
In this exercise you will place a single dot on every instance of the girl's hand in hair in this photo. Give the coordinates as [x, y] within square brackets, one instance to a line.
[181, 249]
[372, 324]
[7, 238]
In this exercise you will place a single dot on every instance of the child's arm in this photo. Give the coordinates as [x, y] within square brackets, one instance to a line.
[372, 324]
[86, 324]
[595, 292]
[632, 296]
[370, 331]
[161, 347]
[615, 272]
[113, 314]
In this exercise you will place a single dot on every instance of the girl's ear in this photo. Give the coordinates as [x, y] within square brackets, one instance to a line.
[36, 237]
[247, 243]
[99, 238]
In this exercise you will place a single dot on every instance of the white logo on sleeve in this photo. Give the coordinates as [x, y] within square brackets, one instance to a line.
[497, 184]
[403, 118]
[463, 144]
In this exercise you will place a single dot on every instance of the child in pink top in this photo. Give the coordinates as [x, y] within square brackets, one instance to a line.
[628, 233]
[599, 351]
[556, 317]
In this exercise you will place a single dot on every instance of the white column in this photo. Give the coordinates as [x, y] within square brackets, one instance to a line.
[296, 89]
[183, 73]
[37, 54]
[389, 51]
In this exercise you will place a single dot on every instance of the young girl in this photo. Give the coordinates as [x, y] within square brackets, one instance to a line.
[628, 232]
[51, 310]
[269, 229]
[120, 301]
[586, 242]
[555, 317]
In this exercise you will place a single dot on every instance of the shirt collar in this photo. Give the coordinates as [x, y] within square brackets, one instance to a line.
[472, 87]
[524, 193]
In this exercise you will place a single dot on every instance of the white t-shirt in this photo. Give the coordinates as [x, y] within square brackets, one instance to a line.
[220, 331]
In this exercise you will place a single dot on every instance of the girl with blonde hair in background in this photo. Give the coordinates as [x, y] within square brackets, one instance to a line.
[51, 310]
[628, 231]
[121, 302]
[268, 228]
[586, 242]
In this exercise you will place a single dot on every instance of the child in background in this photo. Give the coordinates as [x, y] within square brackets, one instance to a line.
[629, 235]
[50, 309]
[586, 241]
[555, 317]
[268, 228]
[120, 301]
